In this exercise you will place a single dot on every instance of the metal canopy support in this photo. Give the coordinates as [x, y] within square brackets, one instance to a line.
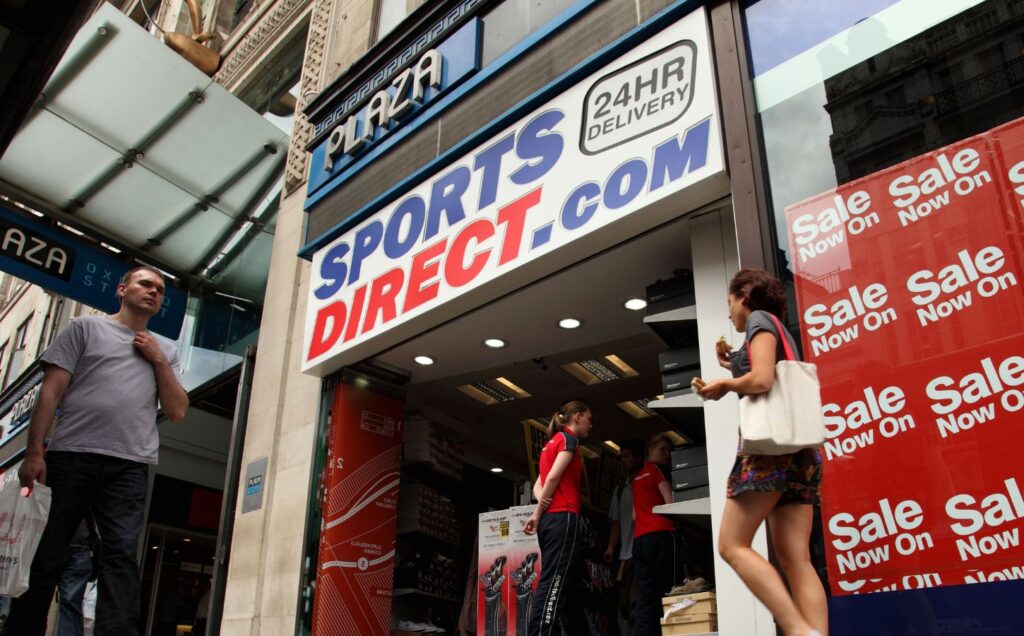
[210, 199]
[243, 215]
[136, 153]
[251, 233]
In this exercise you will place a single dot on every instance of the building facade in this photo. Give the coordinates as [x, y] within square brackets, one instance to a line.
[461, 177]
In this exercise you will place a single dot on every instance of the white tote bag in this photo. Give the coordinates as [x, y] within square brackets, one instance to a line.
[22, 521]
[787, 418]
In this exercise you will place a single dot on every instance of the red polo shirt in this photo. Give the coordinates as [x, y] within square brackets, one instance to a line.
[645, 497]
[567, 493]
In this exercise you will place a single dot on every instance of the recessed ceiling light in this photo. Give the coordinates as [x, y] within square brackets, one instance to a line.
[495, 343]
[635, 304]
[423, 360]
[570, 323]
[497, 469]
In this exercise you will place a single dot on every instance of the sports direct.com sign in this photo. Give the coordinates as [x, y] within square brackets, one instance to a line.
[631, 146]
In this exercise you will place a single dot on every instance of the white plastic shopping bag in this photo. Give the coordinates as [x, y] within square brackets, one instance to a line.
[23, 515]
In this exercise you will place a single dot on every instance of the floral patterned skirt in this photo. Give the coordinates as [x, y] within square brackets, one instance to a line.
[796, 476]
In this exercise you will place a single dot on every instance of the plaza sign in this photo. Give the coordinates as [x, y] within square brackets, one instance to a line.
[544, 193]
[421, 82]
[66, 265]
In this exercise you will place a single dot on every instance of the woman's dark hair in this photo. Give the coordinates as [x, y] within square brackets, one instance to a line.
[563, 416]
[759, 290]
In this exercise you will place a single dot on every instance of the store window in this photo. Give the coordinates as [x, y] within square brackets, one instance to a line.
[893, 141]
[510, 22]
[390, 13]
[17, 361]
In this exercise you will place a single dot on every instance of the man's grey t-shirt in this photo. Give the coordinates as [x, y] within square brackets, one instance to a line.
[621, 510]
[110, 406]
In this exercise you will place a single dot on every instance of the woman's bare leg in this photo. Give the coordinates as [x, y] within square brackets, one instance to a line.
[742, 517]
[790, 530]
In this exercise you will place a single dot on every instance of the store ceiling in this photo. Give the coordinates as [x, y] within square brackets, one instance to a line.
[593, 291]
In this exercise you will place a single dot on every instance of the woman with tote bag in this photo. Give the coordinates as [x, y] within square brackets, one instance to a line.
[780, 488]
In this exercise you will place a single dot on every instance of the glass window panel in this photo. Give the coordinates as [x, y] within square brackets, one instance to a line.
[848, 112]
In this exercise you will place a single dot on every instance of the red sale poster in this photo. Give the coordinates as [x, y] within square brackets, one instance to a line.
[909, 288]
[357, 544]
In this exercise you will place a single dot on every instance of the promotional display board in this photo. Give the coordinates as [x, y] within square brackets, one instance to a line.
[909, 288]
[632, 146]
[509, 568]
[355, 569]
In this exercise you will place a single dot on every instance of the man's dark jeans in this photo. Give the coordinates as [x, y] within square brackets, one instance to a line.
[115, 490]
[71, 590]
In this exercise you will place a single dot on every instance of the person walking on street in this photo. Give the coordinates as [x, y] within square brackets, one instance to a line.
[556, 602]
[74, 578]
[654, 541]
[782, 489]
[620, 514]
[106, 373]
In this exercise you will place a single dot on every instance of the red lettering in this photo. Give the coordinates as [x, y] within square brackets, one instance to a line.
[357, 311]
[383, 298]
[424, 268]
[329, 321]
[456, 273]
[513, 217]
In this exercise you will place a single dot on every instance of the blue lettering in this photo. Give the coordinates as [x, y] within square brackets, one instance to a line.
[634, 174]
[366, 241]
[416, 210]
[573, 216]
[333, 269]
[539, 147]
[673, 160]
[490, 160]
[446, 196]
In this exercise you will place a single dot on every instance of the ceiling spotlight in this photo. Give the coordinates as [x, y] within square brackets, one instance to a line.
[497, 469]
[635, 304]
[570, 323]
[495, 343]
[423, 360]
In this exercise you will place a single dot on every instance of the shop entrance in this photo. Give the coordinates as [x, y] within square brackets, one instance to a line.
[176, 575]
[474, 416]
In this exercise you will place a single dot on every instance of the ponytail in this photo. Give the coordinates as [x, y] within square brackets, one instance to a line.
[561, 418]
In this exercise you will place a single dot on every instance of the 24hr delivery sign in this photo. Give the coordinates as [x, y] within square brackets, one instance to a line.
[629, 147]
[909, 286]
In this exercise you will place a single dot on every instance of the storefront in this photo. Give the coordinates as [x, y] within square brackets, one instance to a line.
[477, 181]
[438, 310]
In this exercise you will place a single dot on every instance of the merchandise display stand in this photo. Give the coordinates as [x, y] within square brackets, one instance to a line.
[426, 585]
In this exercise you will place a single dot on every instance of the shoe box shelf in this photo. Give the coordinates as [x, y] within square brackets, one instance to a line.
[427, 581]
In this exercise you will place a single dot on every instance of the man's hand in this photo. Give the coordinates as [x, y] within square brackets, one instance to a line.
[149, 347]
[608, 554]
[33, 469]
[530, 527]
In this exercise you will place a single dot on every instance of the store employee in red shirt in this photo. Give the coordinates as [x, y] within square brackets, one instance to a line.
[556, 604]
[654, 542]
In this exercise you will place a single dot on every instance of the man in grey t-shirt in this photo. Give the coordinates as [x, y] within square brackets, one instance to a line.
[107, 374]
[620, 514]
